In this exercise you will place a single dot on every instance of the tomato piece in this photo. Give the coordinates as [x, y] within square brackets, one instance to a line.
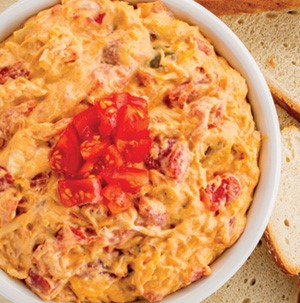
[178, 162]
[230, 188]
[38, 282]
[93, 148]
[99, 18]
[13, 71]
[86, 123]
[134, 151]
[91, 167]
[108, 115]
[225, 189]
[116, 199]
[109, 106]
[133, 123]
[78, 233]
[121, 99]
[79, 192]
[65, 156]
[130, 179]
[6, 179]
[113, 157]
[216, 116]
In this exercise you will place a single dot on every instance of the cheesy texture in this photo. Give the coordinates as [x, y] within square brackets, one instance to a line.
[203, 133]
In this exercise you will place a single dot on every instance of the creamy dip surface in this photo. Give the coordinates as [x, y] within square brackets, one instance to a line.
[202, 165]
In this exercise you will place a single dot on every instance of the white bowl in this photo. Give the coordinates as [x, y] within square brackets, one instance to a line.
[230, 47]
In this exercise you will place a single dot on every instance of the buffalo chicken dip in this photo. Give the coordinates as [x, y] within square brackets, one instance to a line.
[128, 153]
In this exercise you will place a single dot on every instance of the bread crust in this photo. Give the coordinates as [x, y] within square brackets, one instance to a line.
[274, 251]
[271, 238]
[285, 102]
[234, 7]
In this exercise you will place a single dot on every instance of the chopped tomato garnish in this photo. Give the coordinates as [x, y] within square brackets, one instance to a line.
[93, 148]
[110, 106]
[121, 99]
[99, 18]
[134, 151]
[225, 189]
[98, 146]
[113, 157]
[116, 199]
[79, 192]
[91, 167]
[108, 115]
[133, 123]
[65, 156]
[86, 123]
[130, 179]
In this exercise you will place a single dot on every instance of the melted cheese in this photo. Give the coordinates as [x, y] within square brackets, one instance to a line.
[195, 99]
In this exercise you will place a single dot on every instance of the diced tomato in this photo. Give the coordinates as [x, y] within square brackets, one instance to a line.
[230, 187]
[116, 199]
[108, 115]
[222, 192]
[6, 179]
[113, 157]
[91, 167]
[132, 123]
[38, 282]
[130, 179]
[86, 154]
[99, 18]
[178, 162]
[121, 99]
[93, 148]
[86, 123]
[78, 233]
[134, 151]
[79, 192]
[109, 106]
[160, 153]
[65, 156]
[138, 102]
[216, 116]
[13, 71]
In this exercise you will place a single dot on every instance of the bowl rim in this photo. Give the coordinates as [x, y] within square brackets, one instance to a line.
[228, 45]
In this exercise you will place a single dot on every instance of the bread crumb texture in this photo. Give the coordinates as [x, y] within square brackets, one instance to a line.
[274, 35]
[258, 281]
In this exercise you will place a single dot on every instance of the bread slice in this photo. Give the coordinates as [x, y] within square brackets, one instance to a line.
[283, 231]
[273, 38]
[285, 119]
[228, 7]
[258, 281]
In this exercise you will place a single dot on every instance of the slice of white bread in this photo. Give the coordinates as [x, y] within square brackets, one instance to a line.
[285, 119]
[258, 281]
[228, 7]
[273, 38]
[283, 230]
